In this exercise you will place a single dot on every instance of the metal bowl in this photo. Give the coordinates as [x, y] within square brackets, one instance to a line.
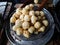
[39, 39]
[35, 37]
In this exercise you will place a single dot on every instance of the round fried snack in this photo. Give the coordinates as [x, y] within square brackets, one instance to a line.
[27, 7]
[18, 23]
[16, 15]
[21, 17]
[36, 32]
[26, 18]
[37, 13]
[37, 25]
[24, 11]
[25, 25]
[19, 31]
[31, 13]
[12, 20]
[31, 6]
[18, 11]
[42, 29]
[45, 22]
[14, 28]
[33, 19]
[42, 13]
[31, 29]
[26, 34]
[36, 1]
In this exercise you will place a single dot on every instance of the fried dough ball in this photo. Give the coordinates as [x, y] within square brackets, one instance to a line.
[26, 34]
[16, 15]
[36, 32]
[24, 11]
[39, 17]
[26, 18]
[31, 29]
[45, 22]
[19, 31]
[41, 13]
[12, 20]
[33, 19]
[18, 23]
[31, 6]
[27, 7]
[36, 1]
[42, 29]
[22, 17]
[31, 13]
[37, 12]
[37, 25]
[18, 9]
[25, 25]
[14, 28]
[44, 17]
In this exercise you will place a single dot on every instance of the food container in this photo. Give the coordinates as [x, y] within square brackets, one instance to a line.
[40, 39]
